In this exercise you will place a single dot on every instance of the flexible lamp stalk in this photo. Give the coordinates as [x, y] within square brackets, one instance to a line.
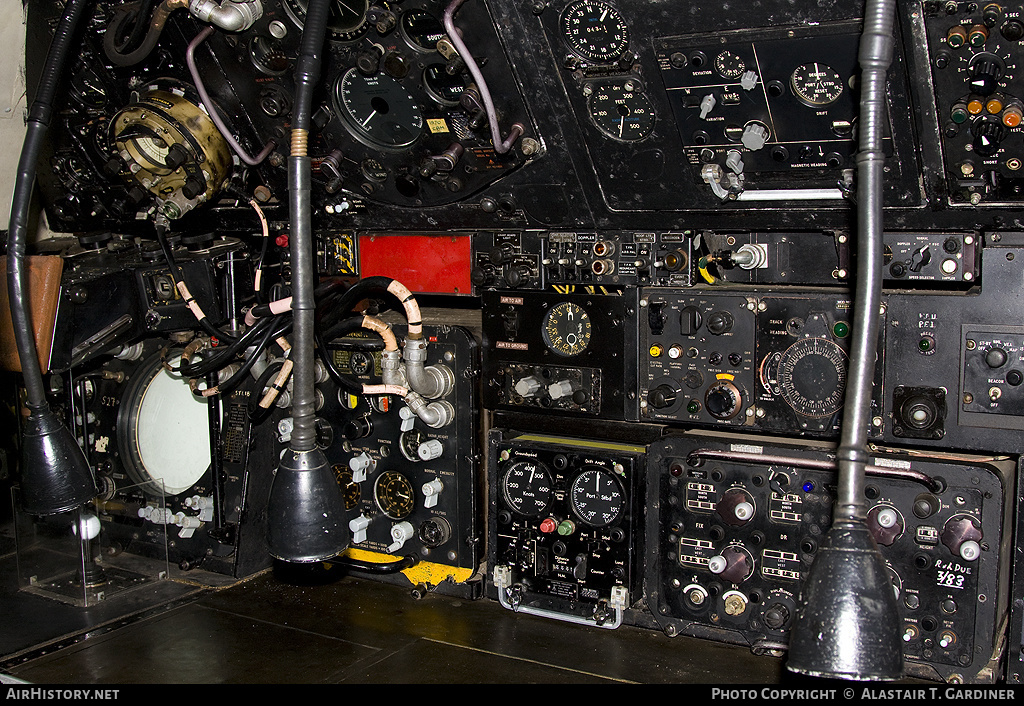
[306, 510]
[847, 625]
[55, 475]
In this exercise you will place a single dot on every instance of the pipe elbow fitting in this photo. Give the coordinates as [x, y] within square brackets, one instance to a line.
[434, 414]
[230, 16]
[431, 382]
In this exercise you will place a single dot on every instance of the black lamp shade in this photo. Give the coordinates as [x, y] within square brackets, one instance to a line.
[55, 476]
[306, 513]
[848, 626]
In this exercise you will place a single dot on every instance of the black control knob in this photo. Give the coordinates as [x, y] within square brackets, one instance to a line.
[720, 322]
[689, 320]
[996, 357]
[723, 400]
[776, 616]
[985, 75]
[662, 396]
[987, 137]
[1012, 30]
[357, 429]
[516, 276]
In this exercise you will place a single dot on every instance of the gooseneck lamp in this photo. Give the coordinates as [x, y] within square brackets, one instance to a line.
[55, 475]
[847, 625]
[306, 510]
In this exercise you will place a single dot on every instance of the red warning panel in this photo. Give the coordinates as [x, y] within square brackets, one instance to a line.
[431, 263]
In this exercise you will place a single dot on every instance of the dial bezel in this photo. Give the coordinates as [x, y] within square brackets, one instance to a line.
[557, 339]
[609, 19]
[581, 502]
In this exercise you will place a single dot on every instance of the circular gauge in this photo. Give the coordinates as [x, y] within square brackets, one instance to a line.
[87, 88]
[324, 433]
[394, 495]
[566, 329]
[163, 429]
[816, 84]
[729, 65]
[595, 30]
[812, 377]
[441, 86]
[267, 56]
[410, 442]
[347, 20]
[377, 110]
[422, 31]
[621, 113]
[596, 497]
[527, 487]
[349, 489]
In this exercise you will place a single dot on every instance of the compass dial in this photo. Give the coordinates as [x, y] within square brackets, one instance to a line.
[527, 488]
[377, 110]
[812, 377]
[729, 65]
[394, 495]
[596, 497]
[566, 329]
[595, 30]
[622, 113]
[816, 84]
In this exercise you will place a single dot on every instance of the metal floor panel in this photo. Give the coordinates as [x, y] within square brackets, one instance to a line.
[359, 631]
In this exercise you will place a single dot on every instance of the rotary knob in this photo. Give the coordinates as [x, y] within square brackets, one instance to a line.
[987, 137]
[962, 537]
[723, 400]
[754, 137]
[985, 75]
[661, 397]
[995, 357]
[720, 322]
[735, 508]
[776, 616]
[733, 565]
[885, 524]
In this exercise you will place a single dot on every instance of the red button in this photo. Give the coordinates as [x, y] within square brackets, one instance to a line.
[548, 525]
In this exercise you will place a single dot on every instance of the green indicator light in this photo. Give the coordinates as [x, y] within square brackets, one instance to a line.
[693, 407]
[925, 344]
[566, 527]
[841, 330]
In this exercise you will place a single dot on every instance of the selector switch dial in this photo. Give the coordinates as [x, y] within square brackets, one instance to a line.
[962, 536]
[885, 523]
[734, 564]
[736, 507]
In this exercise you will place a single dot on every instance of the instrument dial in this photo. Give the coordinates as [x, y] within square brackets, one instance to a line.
[729, 65]
[566, 329]
[621, 112]
[349, 489]
[346, 22]
[597, 498]
[527, 488]
[422, 30]
[377, 110]
[816, 84]
[595, 30]
[812, 377]
[394, 495]
[410, 442]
